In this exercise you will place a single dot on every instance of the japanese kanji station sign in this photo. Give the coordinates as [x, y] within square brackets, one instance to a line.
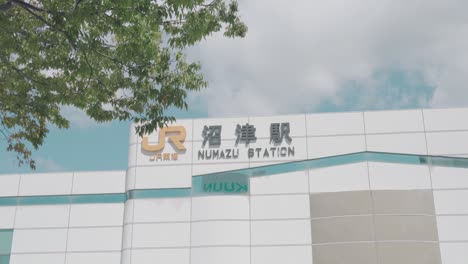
[212, 145]
[246, 134]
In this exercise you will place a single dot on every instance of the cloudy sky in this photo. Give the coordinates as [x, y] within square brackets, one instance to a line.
[302, 56]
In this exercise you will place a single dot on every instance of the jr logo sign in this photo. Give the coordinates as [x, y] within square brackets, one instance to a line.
[176, 135]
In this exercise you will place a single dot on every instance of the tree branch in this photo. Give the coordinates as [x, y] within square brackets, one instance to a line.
[209, 4]
[69, 38]
[174, 21]
[6, 6]
[77, 2]
[109, 58]
[33, 7]
[27, 5]
[20, 72]
[5, 132]
[91, 70]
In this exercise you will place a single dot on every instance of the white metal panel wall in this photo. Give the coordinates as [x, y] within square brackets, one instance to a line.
[68, 233]
[450, 199]
[447, 134]
[271, 226]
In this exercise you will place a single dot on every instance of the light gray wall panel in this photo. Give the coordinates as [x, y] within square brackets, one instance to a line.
[408, 253]
[340, 203]
[403, 202]
[405, 227]
[342, 229]
[348, 253]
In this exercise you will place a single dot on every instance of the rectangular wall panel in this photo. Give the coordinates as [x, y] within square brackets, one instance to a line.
[281, 255]
[161, 235]
[7, 219]
[449, 178]
[220, 207]
[39, 240]
[340, 203]
[97, 257]
[56, 258]
[394, 121]
[280, 207]
[96, 214]
[405, 227]
[94, 239]
[9, 185]
[161, 210]
[166, 256]
[350, 177]
[403, 202]
[349, 253]
[445, 119]
[220, 233]
[454, 253]
[409, 252]
[46, 184]
[411, 143]
[451, 202]
[342, 229]
[217, 255]
[452, 228]
[447, 143]
[291, 232]
[175, 176]
[42, 216]
[391, 176]
[99, 182]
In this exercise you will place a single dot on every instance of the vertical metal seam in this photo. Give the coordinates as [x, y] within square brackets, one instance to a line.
[127, 195]
[133, 202]
[16, 210]
[69, 217]
[307, 172]
[429, 167]
[371, 192]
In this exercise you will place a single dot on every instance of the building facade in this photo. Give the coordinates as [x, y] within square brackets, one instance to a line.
[357, 188]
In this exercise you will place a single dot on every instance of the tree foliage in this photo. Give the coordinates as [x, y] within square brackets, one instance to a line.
[114, 59]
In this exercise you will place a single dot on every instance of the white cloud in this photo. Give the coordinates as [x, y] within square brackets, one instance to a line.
[46, 165]
[77, 117]
[299, 53]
